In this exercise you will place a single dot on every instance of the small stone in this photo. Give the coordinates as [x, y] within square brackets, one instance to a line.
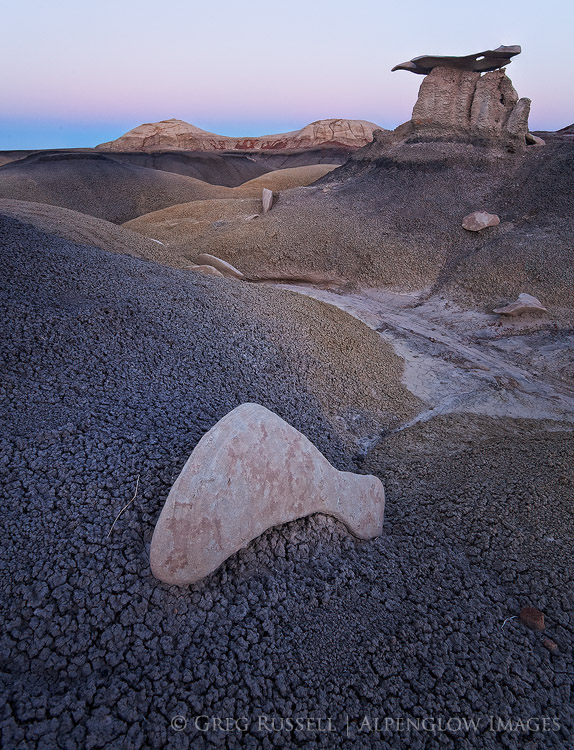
[224, 268]
[207, 270]
[534, 140]
[533, 618]
[551, 645]
[524, 304]
[480, 220]
[267, 200]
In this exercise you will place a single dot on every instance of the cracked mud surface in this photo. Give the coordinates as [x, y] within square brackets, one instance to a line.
[112, 370]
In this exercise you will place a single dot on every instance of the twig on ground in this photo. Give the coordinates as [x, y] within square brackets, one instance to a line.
[507, 619]
[125, 506]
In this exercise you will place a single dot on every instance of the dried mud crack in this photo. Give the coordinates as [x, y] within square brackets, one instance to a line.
[113, 368]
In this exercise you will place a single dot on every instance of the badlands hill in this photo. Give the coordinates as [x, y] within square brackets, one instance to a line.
[229, 170]
[95, 184]
[102, 187]
[217, 168]
[81, 228]
[392, 216]
[180, 135]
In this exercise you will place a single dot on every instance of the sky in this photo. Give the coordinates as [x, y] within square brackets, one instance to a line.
[75, 73]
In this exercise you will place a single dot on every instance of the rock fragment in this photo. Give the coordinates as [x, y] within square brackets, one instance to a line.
[534, 140]
[250, 472]
[478, 220]
[225, 268]
[525, 303]
[533, 618]
[206, 269]
[267, 200]
[551, 645]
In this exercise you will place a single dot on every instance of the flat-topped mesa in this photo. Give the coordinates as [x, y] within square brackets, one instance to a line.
[480, 62]
[466, 99]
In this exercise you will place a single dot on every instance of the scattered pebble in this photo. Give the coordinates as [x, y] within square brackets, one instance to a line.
[551, 645]
[533, 618]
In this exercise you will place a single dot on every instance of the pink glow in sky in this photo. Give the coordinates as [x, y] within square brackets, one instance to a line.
[79, 73]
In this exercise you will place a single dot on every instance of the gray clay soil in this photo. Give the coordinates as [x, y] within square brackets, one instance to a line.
[113, 368]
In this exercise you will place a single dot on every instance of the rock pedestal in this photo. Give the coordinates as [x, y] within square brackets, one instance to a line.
[454, 103]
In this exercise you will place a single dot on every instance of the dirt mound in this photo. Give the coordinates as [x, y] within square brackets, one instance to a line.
[285, 179]
[179, 227]
[510, 475]
[81, 228]
[97, 185]
[183, 226]
[321, 351]
[532, 249]
[9, 156]
[229, 170]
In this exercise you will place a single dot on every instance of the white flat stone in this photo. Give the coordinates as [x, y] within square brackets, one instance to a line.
[524, 304]
[267, 200]
[225, 268]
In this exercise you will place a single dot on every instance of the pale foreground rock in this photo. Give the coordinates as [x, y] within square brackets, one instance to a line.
[250, 472]
[534, 140]
[525, 303]
[478, 220]
[224, 268]
[267, 200]
[206, 269]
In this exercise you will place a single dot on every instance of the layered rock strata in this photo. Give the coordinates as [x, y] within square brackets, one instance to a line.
[481, 62]
[465, 104]
[174, 135]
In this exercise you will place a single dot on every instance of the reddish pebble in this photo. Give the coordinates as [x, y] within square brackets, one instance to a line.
[533, 618]
[550, 645]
